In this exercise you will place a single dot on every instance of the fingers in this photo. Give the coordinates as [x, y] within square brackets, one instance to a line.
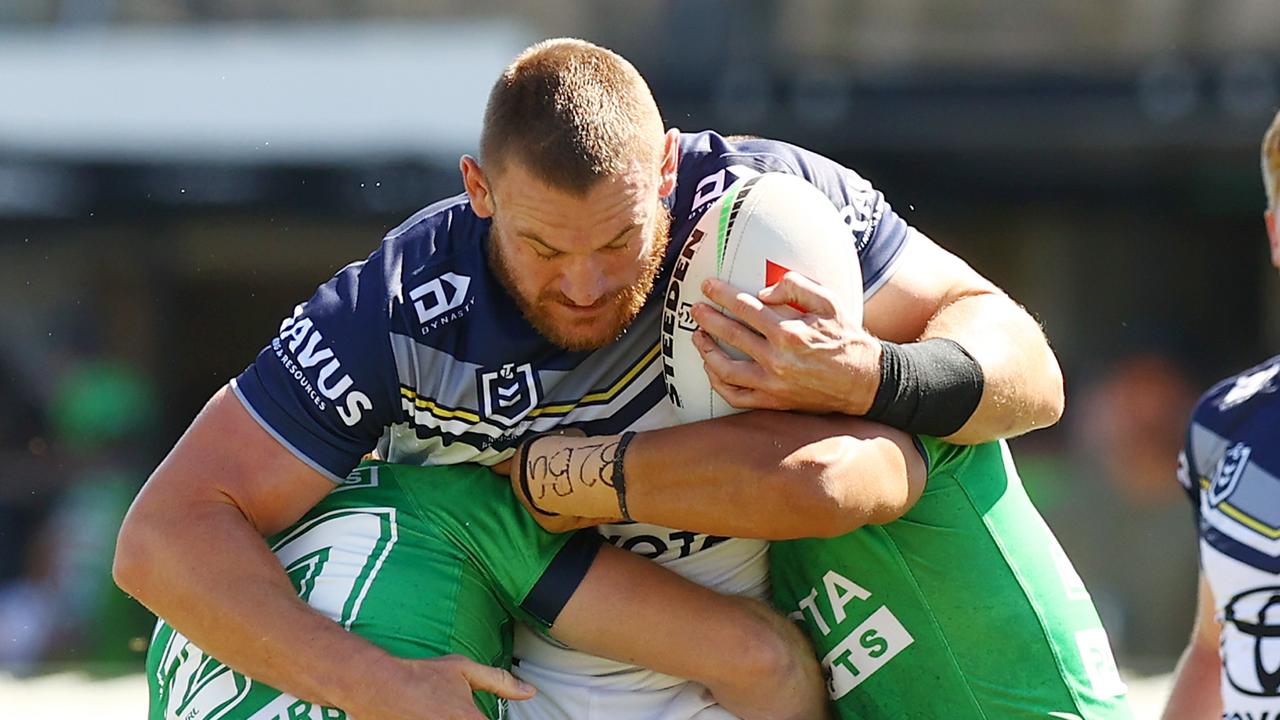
[748, 308]
[741, 397]
[743, 373]
[730, 331]
[800, 292]
[492, 679]
[739, 382]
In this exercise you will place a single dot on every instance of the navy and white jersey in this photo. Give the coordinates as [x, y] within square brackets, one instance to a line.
[420, 351]
[1230, 468]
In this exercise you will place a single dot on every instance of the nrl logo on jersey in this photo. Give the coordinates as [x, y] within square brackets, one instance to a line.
[441, 300]
[508, 393]
[1227, 475]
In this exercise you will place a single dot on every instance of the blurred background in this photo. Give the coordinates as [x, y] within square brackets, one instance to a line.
[176, 174]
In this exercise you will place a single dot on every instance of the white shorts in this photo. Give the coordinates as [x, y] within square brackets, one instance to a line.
[559, 698]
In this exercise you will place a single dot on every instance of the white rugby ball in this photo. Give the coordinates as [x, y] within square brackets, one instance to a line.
[758, 230]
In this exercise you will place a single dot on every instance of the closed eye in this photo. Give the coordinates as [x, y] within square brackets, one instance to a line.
[623, 239]
[542, 251]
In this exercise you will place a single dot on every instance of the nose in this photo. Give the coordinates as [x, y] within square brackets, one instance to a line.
[583, 281]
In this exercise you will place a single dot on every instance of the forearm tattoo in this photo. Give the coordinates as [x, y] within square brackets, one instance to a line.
[559, 471]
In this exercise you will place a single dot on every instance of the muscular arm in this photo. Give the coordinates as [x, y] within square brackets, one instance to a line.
[756, 663]
[1196, 693]
[191, 549]
[933, 294]
[823, 361]
[760, 474]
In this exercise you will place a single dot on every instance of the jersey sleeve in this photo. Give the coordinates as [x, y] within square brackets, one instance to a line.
[939, 455]
[532, 572]
[326, 386]
[1188, 476]
[879, 233]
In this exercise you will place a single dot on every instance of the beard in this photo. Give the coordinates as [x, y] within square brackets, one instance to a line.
[620, 306]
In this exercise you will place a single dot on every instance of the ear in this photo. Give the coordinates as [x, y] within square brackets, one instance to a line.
[477, 186]
[670, 162]
[1273, 235]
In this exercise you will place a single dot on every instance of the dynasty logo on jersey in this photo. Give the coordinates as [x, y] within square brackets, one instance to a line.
[441, 300]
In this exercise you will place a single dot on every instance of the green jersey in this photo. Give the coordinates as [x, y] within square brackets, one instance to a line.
[965, 607]
[421, 561]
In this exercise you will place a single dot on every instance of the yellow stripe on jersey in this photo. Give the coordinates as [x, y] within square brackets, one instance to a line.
[603, 395]
[1239, 516]
[440, 411]
[448, 413]
[1251, 523]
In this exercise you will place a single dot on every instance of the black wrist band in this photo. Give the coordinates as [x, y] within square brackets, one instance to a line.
[927, 388]
[522, 475]
[619, 477]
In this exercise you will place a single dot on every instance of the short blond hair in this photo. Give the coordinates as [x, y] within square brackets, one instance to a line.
[1271, 163]
[572, 112]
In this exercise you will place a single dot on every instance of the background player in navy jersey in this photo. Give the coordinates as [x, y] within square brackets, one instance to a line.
[526, 305]
[1230, 469]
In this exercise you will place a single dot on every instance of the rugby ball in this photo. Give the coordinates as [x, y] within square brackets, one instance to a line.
[753, 234]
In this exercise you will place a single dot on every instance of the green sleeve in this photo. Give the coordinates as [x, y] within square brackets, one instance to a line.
[938, 454]
[533, 572]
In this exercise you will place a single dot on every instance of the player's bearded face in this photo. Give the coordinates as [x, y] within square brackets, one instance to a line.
[579, 268]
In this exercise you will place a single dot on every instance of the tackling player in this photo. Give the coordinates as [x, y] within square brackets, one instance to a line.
[524, 305]
[936, 590]
[1230, 469]
[431, 562]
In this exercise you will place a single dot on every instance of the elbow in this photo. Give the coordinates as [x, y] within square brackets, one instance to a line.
[1050, 401]
[140, 552]
[129, 566]
[799, 692]
[774, 673]
[1053, 398]
[848, 483]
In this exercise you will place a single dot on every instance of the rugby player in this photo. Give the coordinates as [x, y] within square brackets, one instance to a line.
[940, 593]
[429, 562]
[524, 305]
[1230, 469]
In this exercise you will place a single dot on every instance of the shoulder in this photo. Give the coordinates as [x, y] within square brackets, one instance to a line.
[710, 149]
[429, 262]
[420, 271]
[710, 163]
[707, 154]
[442, 232]
[1235, 423]
[1232, 463]
[1240, 396]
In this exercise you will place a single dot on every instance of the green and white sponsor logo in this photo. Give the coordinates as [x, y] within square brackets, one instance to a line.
[195, 686]
[863, 649]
